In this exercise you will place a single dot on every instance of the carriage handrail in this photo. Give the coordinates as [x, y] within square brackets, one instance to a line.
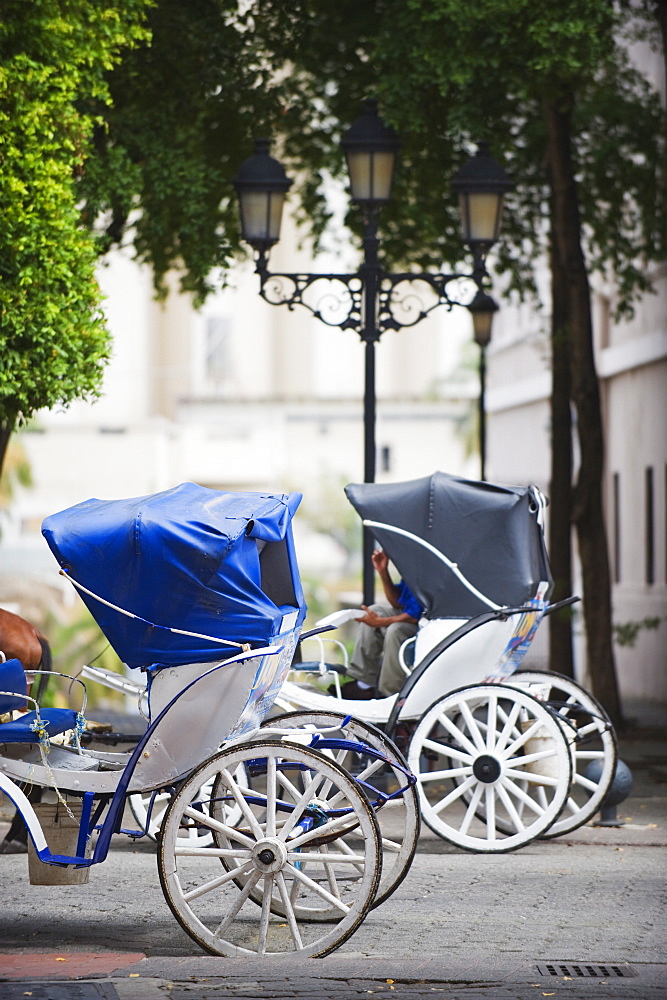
[439, 555]
[244, 646]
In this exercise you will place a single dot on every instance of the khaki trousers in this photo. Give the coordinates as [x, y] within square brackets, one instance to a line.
[375, 657]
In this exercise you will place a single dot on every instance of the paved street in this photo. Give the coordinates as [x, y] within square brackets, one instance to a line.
[533, 923]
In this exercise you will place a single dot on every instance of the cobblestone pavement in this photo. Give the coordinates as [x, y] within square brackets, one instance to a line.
[461, 926]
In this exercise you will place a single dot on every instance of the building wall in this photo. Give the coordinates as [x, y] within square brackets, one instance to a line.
[631, 360]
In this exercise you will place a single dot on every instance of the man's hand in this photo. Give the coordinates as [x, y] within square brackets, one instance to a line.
[380, 561]
[373, 619]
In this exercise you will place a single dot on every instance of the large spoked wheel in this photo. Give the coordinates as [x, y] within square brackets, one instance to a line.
[589, 731]
[493, 768]
[394, 799]
[287, 847]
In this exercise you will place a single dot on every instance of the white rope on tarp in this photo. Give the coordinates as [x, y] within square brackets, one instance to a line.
[178, 631]
[439, 555]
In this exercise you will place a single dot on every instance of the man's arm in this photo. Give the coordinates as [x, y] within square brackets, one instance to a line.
[381, 564]
[375, 620]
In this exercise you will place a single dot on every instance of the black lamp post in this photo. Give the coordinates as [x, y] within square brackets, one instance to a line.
[371, 300]
[482, 309]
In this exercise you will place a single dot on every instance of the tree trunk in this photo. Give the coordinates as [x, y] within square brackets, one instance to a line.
[5, 433]
[587, 507]
[561, 657]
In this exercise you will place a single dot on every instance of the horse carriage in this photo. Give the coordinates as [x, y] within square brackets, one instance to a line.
[502, 756]
[269, 845]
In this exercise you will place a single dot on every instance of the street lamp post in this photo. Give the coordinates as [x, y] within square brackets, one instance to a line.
[482, 309]
[370, 300]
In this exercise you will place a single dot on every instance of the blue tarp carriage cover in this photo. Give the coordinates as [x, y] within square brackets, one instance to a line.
[492, 533]
[196, 559]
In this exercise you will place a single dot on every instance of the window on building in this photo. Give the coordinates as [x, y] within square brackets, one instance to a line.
[385, 458]
[217, 350]
[649, 527]
[616, 523]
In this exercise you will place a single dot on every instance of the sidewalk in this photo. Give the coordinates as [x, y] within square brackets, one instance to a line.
[533, 923]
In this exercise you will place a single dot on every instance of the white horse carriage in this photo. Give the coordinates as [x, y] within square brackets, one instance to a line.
[269, 845]
[501, 757]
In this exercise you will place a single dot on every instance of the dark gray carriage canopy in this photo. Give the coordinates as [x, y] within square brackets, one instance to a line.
[493, 533]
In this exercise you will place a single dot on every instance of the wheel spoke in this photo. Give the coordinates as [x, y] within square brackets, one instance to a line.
[460, 737]
[491, 721]
[271, 797]
[331, 876]
[300, 806]
[184, 851]
[240, 900]
[570, 806]
[215, 883]
[532, 777]
[332, 826]
[511, 810]
[589, 754]
[266, 913]
[241, 803]
[452, 772]
[290, 788]
[319, 858]
[510, 727]
[214, 824]
[320, 890]
[583, 782]
[447, 751]
[522, 796]
[346, 849]
[470, 811]
[490, 813]
[289, 911]
[473, 728]
[522, 738]
[454, 795]
[391, 845]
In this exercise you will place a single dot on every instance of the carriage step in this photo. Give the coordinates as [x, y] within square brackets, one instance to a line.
[59, 758]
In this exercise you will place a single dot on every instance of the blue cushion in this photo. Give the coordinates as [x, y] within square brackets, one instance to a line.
[12, 678]
[54, 720]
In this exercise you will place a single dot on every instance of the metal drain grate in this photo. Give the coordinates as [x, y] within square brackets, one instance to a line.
[587, 970]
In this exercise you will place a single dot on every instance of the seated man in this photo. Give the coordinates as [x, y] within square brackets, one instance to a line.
[384, 628]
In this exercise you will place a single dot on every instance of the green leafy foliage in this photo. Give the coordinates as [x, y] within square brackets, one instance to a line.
[626, 633]
[54, 55]
[185, 108]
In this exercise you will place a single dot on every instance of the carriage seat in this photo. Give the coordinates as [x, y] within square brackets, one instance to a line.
[13, 697]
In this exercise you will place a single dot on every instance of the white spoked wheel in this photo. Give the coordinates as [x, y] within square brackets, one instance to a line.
[591, 737]
[493, 768]
[397, 816]
[140, 803]
[287, 846]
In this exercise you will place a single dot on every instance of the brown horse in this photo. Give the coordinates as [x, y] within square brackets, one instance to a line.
[22, 641]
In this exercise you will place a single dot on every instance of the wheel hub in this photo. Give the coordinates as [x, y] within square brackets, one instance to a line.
[269, 855]
[487, 769]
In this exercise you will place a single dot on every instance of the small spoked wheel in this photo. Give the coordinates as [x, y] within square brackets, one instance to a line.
[592, 741]
[307, 839]
[493, 768]
[390, 792]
